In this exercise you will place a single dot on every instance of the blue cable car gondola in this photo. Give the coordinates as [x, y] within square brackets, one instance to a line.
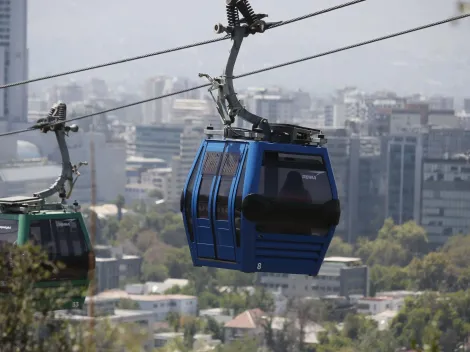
[260, 200]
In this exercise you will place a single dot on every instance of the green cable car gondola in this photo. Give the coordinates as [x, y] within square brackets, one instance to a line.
[58, 228]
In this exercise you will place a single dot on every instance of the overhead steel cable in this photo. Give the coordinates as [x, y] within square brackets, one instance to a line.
[389, 36]
[167, 51]
[344, 48]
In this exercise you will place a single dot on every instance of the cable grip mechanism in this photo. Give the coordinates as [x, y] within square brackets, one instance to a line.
[228, 105]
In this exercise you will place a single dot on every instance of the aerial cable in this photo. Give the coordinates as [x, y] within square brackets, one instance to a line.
[389, 36]
[167, 51]
[344, 48]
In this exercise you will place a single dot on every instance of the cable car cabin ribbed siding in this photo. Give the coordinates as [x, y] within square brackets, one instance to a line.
[226, 173]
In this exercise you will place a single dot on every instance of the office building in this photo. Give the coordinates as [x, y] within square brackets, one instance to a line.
[439, 141]
[466, 105]
[403, 177]
[339, 276]
[159, 141]
[14, 62]
[446, 198]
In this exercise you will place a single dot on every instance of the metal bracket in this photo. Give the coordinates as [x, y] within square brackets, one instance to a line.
[238, 29]
[55, 121]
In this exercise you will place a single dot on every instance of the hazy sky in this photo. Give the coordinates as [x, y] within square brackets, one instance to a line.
[65, 34]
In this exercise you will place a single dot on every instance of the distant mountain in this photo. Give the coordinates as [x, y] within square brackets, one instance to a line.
[67, 34]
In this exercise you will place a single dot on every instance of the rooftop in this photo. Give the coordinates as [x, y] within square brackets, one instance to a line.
[106, 210]
[342, 259]
[376, 299]
[147, 298]
[246, 320]
[140, 159]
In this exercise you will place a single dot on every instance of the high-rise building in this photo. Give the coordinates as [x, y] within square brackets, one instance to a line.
[403, 170]
[466, 105]
[153, 110]
[14, 60]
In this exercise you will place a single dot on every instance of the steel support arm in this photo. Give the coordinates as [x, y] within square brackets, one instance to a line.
[55, 121]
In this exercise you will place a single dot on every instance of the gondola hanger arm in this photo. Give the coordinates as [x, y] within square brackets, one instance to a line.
[228, 105]
[55, 122]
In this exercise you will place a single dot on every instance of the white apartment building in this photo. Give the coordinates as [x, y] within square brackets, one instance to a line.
[379, 304]
[159, 178]
[160, 305]
[339, 276]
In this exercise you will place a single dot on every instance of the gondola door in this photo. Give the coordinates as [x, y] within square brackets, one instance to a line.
[215, 234]
[224, 199]
[205, 183]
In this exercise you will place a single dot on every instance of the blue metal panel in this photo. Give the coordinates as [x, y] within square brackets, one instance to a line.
[204, 234]
[224, 229]
[193, 172]
[248, 231]
[287, 253]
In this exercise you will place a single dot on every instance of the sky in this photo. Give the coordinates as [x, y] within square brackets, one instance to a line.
[66, 34]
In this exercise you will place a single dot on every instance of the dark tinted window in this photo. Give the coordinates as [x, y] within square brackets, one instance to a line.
[294, 177]
[63, 238]
[41, 234]
[65, 241]
[229, 168]
[209, 170]
[70, 237]
[189, 198]
[8, 231]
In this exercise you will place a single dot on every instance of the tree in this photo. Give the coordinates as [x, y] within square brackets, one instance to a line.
[247, 344]
[155, 193]
[146, 239]
[234, 279]
[174, 320]
[110, 231]
[154, 272]
[261, 299]
[29, 322]
[339, 248]
[190, 326]
[174, 234]
[356, 325]
[215, 329]
[120, 203]
[175, 345]
[433, 272]
[125, 303]
[307, 312]
[438, 320]
[179, 263]
[382, 252]
[129, 227]
[412, 237]
[388, 278]
[280, 334]
[395, 244]
[456, 250]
